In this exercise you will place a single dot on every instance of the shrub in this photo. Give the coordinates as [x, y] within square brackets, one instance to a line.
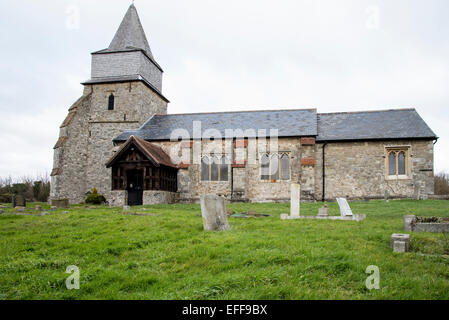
[6, 198]
[95, 198]
[428, 220]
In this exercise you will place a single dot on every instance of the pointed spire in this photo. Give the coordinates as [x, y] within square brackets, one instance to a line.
[130, 34]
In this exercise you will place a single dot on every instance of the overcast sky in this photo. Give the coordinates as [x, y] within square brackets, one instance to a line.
[331, 55]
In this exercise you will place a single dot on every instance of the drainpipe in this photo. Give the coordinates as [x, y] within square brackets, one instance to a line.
[232, 170]
[324, 173]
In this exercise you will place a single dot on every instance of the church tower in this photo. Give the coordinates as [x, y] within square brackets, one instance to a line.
[125, 89]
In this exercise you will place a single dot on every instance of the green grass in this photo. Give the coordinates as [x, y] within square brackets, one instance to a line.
[169, 256]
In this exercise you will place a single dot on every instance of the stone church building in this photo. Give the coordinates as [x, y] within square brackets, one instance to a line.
[119, 139]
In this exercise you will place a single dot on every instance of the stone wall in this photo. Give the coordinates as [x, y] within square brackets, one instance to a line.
[159, 197]
[88, 137]
[246, 184]
[118, 198]
[358, 170]
[68, 180]
[355, 170]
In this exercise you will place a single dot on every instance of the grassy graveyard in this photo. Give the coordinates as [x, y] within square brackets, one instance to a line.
[163, 253]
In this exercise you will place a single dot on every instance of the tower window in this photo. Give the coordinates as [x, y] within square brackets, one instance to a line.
[111, 102]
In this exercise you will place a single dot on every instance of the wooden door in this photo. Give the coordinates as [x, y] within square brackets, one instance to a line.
[135, 187]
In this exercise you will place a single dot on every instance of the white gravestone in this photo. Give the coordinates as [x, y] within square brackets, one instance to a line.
[345, 209]
[295, 198]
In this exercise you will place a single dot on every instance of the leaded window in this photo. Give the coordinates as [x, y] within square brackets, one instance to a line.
[397, 163]
[214, 168]
[275, 167]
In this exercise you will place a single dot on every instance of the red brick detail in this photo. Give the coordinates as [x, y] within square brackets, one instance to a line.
[241, 143]
[187, 144]
[183, 165]
[239, 164]
[308, 161]
[308, 141]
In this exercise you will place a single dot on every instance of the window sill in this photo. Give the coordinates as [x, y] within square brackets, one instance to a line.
[398, 178]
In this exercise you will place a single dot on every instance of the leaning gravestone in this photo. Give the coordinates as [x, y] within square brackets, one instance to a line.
[345, 209]
[213, 211]
[18, 200]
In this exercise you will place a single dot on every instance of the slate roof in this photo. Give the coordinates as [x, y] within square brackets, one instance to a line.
[344, 126]
[130, 36]
[290, 123]
[373, 125]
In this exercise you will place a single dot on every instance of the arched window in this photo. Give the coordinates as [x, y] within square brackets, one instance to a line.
[224, 169]
[205, 169]
[397, 162]
[275, 167]
[401, 163]
[392, 163]
[285, 167]
[264, 167]
[111, 102]
[214, 168]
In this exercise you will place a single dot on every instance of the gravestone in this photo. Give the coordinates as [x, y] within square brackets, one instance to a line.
[408, 222]
[400, 246]
[20, 209]
[345, 209]
[18, 200]
[387, 195]
[126, 208]
[1, 211]
[295, 198]
[397, 237]
[323, 212]
[213, 211]
[60, 203]
[38, 208]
